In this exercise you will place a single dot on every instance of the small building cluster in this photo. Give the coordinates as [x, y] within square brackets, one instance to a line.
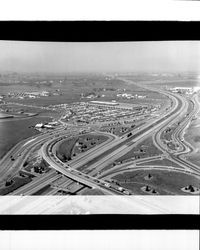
[130, 96]
[32, 95]
[185, 90]
[49, 125]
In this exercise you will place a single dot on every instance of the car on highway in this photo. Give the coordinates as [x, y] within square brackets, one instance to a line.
[107, 185]
[126, 192]
[12, 158]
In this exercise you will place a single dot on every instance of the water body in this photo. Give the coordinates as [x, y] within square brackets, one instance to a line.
[14, 130]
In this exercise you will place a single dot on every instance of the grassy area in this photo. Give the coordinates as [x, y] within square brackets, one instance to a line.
[144, 149]
[162, 181]
[117, 130]
[64, 152]
[17, 182]
[121, 130]
[89, 191]
[72, 147]
[38, 167]
[87, 142]
[195, 158]
[167, 133]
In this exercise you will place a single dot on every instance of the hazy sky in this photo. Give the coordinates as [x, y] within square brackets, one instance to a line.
[89, 57]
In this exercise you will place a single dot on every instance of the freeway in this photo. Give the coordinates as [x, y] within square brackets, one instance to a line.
[98, 162]
[179, 133]
[37, 184]
[177, 130]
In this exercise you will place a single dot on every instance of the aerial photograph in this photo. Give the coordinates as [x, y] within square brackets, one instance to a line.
[99, 118]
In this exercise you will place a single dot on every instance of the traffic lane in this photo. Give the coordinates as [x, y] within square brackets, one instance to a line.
[35, 182]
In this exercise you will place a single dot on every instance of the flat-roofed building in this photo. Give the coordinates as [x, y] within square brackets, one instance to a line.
[105, 103]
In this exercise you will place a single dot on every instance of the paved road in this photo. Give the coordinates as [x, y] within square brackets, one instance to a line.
[37, 184]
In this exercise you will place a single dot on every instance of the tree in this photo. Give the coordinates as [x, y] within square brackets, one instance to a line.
[9, 182]
[191, 188]
[147, 188]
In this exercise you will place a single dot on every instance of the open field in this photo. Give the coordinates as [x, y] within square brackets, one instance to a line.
[169, 79]
[192, 133]
[194, 158]
[164, 182]
[72, 88]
